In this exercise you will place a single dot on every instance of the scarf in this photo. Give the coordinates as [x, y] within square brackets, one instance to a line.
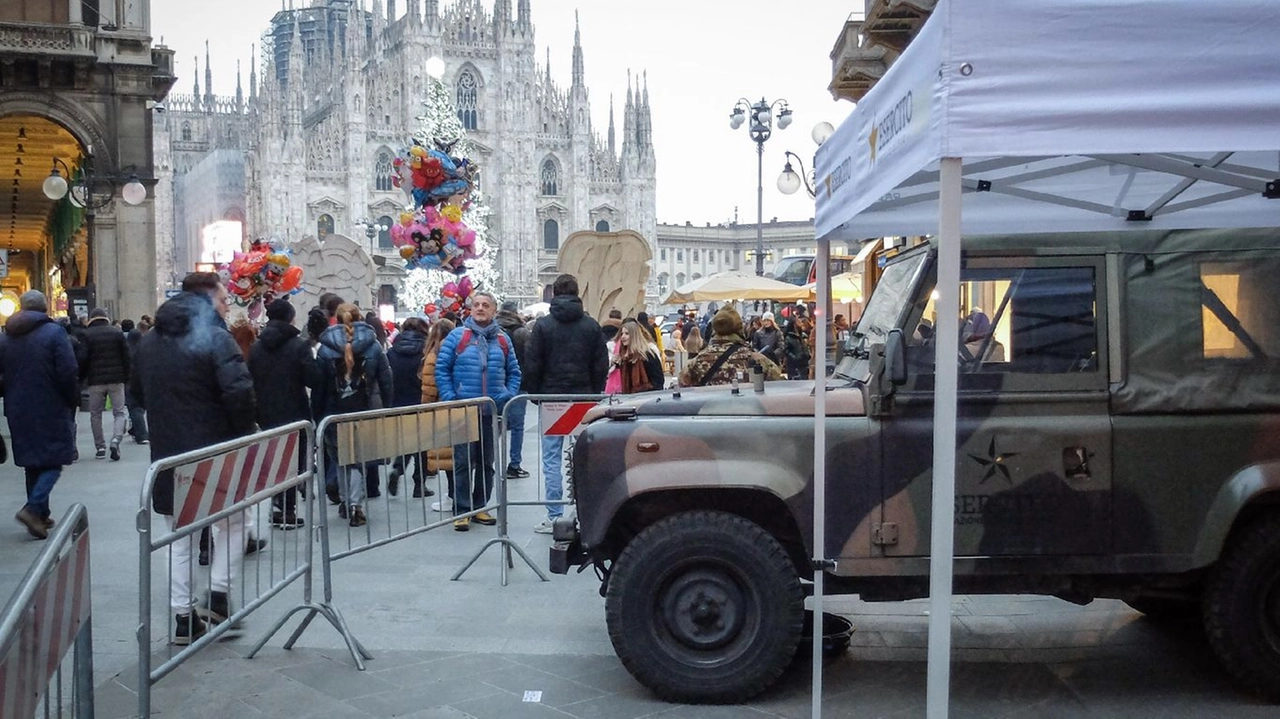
[634, 377]
[481, 336]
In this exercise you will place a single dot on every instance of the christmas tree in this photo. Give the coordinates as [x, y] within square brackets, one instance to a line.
[441, 129]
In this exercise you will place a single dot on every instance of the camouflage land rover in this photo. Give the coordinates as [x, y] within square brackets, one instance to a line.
[1119, 436]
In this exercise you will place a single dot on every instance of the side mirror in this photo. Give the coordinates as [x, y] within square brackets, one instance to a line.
[895, 358]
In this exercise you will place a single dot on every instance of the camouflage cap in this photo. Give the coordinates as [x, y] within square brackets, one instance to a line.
[726, 322]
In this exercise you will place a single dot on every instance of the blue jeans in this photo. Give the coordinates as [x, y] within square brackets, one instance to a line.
[515, 421]
[552, 460]
[40, 481]
[473, 470]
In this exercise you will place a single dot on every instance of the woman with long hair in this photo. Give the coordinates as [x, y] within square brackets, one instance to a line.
[351, 362]
[638, 360]
[693, 342]
[440, 458]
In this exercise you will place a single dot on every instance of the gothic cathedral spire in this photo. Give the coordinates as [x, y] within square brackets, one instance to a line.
[523, 24]
[239, 90]
[208, 78]
[578, 79]
[195, 90]
[613, 152]
[253, 74]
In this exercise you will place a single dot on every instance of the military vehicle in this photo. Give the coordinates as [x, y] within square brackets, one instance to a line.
[1118, 436]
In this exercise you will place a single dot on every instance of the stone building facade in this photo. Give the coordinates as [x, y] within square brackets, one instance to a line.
[307, 149]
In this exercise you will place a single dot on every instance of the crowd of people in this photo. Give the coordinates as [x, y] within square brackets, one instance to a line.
[189, 379]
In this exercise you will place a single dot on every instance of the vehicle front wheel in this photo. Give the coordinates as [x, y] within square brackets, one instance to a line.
[1242, 608]
[704, 607]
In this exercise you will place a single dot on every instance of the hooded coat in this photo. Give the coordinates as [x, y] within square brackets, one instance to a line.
[567, 352]
[364, 343]
[282, 368]
[405, 360]
[106, 353]
[511, 323]
[193, 381]
[40, 392]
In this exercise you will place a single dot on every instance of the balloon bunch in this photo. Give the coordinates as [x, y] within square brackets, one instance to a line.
[433, 235]
[453, 298]
[260, 275]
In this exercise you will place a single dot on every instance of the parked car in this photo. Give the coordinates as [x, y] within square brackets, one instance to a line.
[1118, 436]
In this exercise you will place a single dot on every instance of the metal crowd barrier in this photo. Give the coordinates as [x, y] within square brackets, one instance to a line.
[49, 614]
[220, 488]
[558, 416]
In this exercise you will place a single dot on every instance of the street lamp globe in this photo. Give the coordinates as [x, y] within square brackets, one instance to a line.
[55, 186]
[435, 67]
[736, 119]
[134, 192]
[763, 116]
[788, 181]
[784, 119]
[821, 132]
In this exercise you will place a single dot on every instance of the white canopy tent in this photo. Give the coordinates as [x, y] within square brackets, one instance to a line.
[1006, 116]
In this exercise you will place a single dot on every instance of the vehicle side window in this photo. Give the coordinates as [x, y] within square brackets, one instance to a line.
[1240, 318]
[1026, 320]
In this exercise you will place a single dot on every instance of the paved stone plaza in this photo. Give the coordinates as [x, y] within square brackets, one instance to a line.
[474, 648]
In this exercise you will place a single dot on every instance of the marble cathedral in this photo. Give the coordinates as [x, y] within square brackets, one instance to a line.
[308, 149]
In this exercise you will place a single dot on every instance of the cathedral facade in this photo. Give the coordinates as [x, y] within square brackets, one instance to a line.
[308, 149]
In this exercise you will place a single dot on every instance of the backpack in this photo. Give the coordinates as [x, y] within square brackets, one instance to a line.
[466, 340]
[350, 395]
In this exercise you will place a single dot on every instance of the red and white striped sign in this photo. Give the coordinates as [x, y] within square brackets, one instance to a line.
[210, 486]
[563, 419]
[51, 621]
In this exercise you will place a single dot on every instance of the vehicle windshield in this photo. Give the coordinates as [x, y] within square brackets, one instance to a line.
[884, 312]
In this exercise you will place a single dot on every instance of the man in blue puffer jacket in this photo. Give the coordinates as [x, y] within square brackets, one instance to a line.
[476, 360]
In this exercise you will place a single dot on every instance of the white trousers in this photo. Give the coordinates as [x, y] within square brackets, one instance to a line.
[226, 557]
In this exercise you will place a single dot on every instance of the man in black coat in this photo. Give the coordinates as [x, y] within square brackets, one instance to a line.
[105, 371]
[39, 372]
[567, 355]
[282, 368]
[508, 319]
[192, 380]
[137, 417]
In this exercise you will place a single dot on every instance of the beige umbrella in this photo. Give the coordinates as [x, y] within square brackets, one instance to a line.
[726, 286]
[845, 288]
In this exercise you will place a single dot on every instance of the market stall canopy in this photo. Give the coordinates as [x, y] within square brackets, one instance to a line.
[735, 286]
[1070, 116]
[537, 309]
[845, 287]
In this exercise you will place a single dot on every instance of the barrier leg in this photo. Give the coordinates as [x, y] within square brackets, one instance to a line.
[83, 698]
[509, 545]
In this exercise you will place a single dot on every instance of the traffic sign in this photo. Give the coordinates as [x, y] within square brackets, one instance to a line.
[170, 294]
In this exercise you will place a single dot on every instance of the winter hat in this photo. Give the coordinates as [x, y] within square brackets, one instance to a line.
[97, 312]
[281, 310]
[510, 306]
[767, 316]
[726, 322]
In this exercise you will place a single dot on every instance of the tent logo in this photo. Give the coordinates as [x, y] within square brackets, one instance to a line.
[889, 127]
[837, 177]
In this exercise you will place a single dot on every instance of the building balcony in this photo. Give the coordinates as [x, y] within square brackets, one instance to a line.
[47, 41]
[870, 42]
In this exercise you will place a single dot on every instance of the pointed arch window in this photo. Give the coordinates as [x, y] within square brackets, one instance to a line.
[550, 177]
[186, 132]
[551, 235]
[324, 226]
[382, 172]
[467, 100]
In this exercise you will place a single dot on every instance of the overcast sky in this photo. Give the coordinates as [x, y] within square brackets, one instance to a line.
[700, 55]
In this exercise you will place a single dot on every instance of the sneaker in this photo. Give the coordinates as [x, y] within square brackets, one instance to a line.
[141, 440]
[357, 516]
[342, 511]
[420, 491]
[115, 451]
[515, 472]
[462, 524]
[101, 453]
[188, 628]
[543, 527]
[444, 505]
[216, 609]
[485, 518]
[253, 546]
[34, 523]
[281, 520]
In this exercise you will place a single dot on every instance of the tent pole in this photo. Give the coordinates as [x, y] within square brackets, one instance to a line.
[820, 462]
[942, 528]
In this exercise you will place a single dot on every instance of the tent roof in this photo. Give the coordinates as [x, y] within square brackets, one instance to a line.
[1070, 115]
[735, 286]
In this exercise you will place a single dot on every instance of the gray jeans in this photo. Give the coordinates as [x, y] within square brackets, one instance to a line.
[98, 394]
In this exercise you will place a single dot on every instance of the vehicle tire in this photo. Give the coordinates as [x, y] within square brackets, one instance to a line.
[1242, 608]
[1167, 610]
[704, 607]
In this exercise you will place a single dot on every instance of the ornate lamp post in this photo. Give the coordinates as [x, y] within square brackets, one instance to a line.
[92, 192]
[761, 129]
[371, 230]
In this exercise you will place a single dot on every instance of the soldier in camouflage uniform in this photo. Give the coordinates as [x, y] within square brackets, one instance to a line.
[726, 341]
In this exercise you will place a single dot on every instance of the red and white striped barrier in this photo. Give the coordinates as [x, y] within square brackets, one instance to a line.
[563, 419]
[207, 487]
[46, 630]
